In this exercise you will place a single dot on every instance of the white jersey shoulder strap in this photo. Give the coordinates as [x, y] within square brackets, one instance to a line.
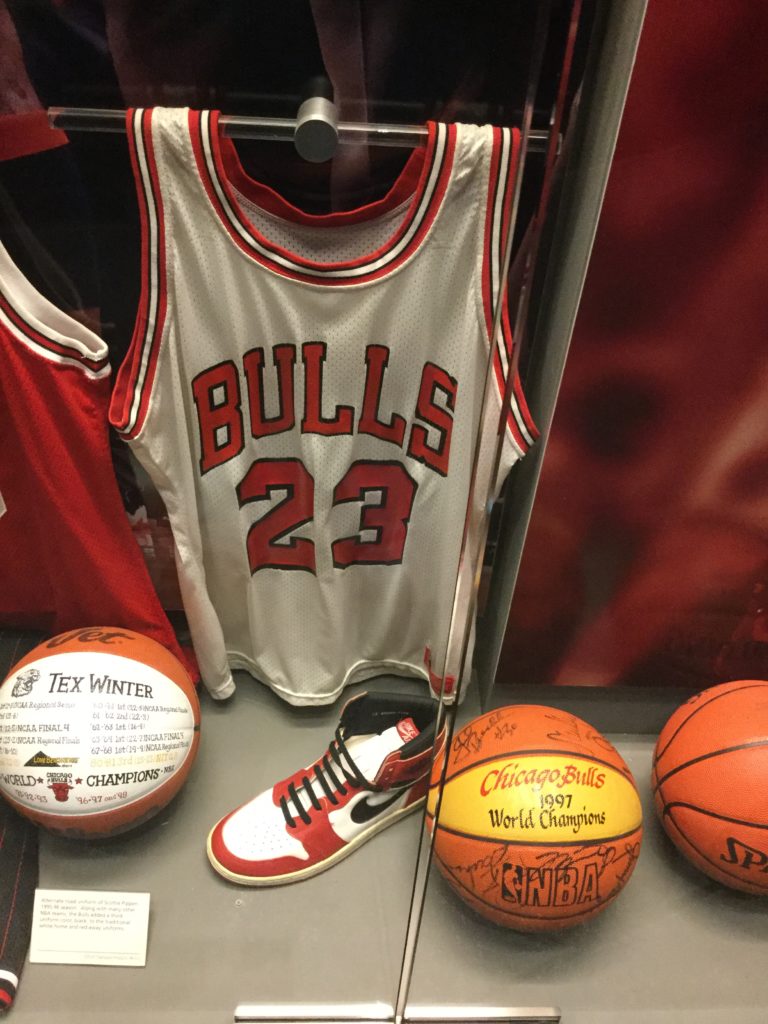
[45, 330]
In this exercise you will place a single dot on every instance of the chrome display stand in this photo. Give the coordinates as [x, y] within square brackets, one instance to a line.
[314, 131]
[377, 1013]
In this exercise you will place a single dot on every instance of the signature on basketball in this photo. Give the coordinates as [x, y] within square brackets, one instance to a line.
[604, 854]
[470, 740]
[569, 732]
[89, 636]
[484, 874]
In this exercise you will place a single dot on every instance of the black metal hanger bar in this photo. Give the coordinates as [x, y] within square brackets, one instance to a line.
[87, 119]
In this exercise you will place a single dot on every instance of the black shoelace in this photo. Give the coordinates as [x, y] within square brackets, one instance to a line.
[325, 772]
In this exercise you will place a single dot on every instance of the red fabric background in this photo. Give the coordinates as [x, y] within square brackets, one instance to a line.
[647, 557]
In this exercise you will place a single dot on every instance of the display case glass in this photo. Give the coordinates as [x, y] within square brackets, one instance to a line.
[285, 300]
[633, 593]
[308, 364]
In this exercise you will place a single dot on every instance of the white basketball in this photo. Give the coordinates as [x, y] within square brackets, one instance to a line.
[98, 731]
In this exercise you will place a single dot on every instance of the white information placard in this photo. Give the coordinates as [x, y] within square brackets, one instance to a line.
[72, 926]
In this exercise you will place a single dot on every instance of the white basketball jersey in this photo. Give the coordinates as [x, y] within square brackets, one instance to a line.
[305, 392]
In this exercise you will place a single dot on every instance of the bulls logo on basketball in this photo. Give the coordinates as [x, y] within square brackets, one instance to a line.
[24, 682]
[60, 786]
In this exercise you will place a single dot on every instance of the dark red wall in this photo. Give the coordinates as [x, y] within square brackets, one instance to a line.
[647, 557]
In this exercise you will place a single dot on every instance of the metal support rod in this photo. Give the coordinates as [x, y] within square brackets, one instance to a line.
[313, 1013]
[380, 1013]
[276, 129]
[460, 623]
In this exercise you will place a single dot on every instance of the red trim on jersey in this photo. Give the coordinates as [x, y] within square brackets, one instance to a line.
[53, 345]
[232, 172]
[503, 168]
[125, 380]
[488, 247]
[518, 398]
[436, 681]
[425, 203]
[132, 385]
[162, 297]
[416, 170]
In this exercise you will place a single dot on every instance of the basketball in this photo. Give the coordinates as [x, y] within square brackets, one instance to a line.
[98, 731]
[710, 783]
[540, 824]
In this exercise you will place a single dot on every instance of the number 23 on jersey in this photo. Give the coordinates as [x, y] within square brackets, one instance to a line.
[384, 488]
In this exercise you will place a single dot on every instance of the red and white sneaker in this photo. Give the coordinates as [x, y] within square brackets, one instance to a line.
[375, 771]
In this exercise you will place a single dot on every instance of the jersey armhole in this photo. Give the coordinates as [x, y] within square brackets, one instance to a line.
[49, 332]
[521, 430]
[133, 383]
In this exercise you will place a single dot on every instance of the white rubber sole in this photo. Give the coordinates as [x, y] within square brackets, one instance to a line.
[323, 865]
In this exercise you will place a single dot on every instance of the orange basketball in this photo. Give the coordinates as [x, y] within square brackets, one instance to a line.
[98, 731]
[540, 823]
[710, 783]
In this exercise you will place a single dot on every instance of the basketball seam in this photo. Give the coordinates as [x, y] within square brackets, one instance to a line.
[711, 814]
[539, 842]
[701, 707]
[705, 757]
[756, 889]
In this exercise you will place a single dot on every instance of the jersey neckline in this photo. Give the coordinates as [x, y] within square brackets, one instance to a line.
[421, 185]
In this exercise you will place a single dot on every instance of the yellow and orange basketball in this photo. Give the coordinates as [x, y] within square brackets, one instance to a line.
[710, 783]
[99, 728]
[540, 824]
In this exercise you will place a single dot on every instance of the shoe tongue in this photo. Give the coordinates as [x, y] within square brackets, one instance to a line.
[368, 751]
